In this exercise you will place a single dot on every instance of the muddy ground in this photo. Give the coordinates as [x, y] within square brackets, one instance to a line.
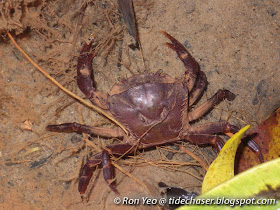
[235, 42]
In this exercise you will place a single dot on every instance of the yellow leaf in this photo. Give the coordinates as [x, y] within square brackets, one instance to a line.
[263, 177]
[222, 167]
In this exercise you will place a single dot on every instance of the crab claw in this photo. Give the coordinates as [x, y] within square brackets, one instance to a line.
[85, 74]
[191, 65]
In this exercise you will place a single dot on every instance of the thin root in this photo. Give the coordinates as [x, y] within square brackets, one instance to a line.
[194, 157]
[131, 176]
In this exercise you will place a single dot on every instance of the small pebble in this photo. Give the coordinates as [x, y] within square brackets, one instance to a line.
[187, 44]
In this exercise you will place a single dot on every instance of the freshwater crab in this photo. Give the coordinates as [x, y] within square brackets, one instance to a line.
[155, 109]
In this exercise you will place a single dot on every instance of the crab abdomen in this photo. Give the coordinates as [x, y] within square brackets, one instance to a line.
[151, 111]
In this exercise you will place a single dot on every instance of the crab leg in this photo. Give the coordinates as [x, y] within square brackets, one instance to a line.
[253, 146]
[108, 171]
[213, 128]
[76, 127]
[87, 171]
[208, 105]
[198, 88]
[189, 62]
[103, 159]
[201, 139]
[84, 78]
[203, 134]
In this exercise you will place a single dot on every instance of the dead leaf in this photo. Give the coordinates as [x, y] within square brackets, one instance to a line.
[267, 136]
